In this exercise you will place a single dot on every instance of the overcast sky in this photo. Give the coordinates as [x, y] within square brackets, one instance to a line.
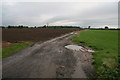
[95, 14]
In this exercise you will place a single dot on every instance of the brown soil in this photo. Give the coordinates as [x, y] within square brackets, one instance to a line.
[28, 34]
[7, 44]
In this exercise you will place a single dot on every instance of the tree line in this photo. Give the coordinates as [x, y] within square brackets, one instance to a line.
[22, 26]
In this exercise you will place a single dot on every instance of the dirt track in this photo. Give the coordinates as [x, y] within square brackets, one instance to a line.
[49, 60]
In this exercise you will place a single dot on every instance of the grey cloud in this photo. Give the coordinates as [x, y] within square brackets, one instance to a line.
[33, 13]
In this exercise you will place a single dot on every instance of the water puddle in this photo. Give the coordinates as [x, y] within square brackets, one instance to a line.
[74, 47]
[78, 48]
[89, 50]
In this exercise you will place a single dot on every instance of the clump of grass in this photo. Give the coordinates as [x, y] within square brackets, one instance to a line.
[14, 48]
[105, 42]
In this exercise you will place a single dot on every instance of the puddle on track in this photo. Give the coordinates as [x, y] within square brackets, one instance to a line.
[78, 48]
[74, 47]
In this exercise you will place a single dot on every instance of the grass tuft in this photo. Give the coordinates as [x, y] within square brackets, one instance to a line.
[14, 48]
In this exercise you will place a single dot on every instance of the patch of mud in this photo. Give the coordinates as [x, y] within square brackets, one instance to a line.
[65, 62]
[84, 61]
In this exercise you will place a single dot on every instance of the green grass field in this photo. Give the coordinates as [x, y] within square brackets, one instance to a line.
[14, 48]
[105, 42]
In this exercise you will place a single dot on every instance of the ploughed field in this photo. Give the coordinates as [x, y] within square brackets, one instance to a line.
[28, 34]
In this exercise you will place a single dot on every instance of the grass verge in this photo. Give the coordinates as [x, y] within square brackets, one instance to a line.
[14, 48]
[105, 42]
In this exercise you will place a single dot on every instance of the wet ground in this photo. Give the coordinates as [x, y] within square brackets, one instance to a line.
[49, 60]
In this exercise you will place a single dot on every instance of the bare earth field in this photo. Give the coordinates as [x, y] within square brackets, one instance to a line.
[49, 59]
[36, 34]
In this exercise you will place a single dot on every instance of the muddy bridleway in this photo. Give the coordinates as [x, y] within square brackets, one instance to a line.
[49, 60]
